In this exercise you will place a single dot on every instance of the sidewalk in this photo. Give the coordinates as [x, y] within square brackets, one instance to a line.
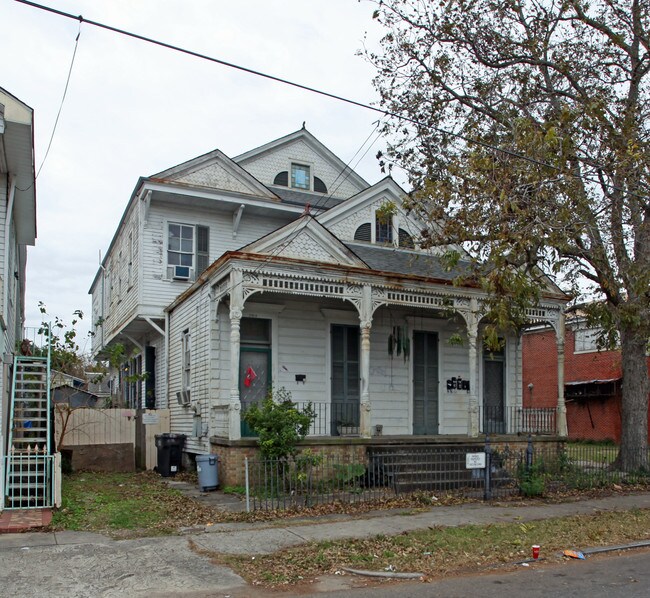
[81, 564]
[270, 536]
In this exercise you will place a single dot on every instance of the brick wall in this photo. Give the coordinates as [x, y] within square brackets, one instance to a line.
[595, 419]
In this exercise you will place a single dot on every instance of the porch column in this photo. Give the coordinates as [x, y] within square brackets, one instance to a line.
[561, 423]
[472, 338]
[236, 306]
[365, 317]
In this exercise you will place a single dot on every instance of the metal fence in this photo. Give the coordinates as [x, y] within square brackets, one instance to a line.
[29, 480]
[517, 420]
[470, 471]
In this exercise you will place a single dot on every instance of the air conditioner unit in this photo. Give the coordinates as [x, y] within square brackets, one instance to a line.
[181, 273]
[183, 398]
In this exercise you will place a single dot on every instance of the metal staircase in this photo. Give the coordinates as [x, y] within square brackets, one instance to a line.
[29, 463]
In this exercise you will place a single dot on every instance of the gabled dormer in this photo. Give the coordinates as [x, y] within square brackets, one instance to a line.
[299, 163]
[374, 216]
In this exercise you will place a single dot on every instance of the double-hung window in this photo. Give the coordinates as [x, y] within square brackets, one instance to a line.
[187, 250]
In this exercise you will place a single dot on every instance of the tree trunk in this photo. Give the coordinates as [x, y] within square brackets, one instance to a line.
[633, 453]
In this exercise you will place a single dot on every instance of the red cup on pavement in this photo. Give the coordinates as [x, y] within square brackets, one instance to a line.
[535, 551]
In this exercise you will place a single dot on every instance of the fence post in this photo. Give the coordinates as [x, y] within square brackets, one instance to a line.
[529, 454]
[248, 493]
[487, 494]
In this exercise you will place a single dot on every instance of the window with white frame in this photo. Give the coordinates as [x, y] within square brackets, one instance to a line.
[586, 340]
[186, 359]
[187, 250]
[300, 176]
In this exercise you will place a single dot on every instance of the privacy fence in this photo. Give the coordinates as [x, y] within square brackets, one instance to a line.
[481, 472]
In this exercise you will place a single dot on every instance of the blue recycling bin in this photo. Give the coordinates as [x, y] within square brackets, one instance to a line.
[206, 467]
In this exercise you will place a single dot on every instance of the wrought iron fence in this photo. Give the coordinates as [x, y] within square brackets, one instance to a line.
[517, 420]
[332, 419]
[470, 471]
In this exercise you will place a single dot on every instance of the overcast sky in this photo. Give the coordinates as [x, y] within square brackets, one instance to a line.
[133, 109]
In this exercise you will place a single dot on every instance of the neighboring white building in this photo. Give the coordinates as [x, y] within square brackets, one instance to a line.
[17, 231]
[281, 267]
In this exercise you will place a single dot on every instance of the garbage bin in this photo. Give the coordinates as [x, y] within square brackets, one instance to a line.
[170, 453]
[206, 467]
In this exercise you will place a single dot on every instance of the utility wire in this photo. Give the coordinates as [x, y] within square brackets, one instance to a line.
[327, 94]
[58, 114]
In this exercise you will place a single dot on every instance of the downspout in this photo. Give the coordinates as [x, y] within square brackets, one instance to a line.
[167, 359]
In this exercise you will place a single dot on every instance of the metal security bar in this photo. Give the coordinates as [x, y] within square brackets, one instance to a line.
[29, 482]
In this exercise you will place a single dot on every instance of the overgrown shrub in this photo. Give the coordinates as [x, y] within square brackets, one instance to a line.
[279, 424]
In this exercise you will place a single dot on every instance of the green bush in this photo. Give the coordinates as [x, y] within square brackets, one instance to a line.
[279, 424]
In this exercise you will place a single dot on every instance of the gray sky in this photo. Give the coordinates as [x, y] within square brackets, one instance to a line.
[133, 109]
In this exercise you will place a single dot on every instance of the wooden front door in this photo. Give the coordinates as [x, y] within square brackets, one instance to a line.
[494, 421]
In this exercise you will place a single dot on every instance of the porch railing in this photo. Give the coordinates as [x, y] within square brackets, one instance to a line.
[332, 419]
[517, 420]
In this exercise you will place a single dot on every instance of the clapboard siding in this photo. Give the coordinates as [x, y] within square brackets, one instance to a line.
[4, 225]
[158, 291]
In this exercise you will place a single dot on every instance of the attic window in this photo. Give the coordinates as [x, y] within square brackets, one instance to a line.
[405, 240]
[300, 177]
[319, 185]
[363, 233]
[282, 179]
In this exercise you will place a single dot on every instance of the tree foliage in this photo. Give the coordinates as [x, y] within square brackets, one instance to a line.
[524, 127]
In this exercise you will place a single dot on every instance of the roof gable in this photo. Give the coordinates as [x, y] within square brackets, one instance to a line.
[215, 170]
[305, 239]
[268, 160]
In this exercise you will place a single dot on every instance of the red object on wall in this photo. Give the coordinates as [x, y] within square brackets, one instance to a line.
[596, 415]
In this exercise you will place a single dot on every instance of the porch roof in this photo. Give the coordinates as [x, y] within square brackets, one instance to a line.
[402, 262]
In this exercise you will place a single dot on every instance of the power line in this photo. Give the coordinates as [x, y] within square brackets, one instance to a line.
[58, 114]
[321, 92]
[257, 73]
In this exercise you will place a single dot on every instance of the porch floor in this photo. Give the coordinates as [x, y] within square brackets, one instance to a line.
[24, 520]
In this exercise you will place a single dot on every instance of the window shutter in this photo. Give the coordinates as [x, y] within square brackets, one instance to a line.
[202, 248]
[282, 178]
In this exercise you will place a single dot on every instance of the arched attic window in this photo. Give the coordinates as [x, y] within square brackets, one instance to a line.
[363, 233]
[319, 185]
[405, 240]
[282, 179]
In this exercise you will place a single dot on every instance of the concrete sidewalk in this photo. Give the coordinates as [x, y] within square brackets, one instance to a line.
[79, 564]
[237, 537]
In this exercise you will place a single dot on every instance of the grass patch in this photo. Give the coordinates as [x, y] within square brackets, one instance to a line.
[125, 505]
[596, 452]
[441, 551]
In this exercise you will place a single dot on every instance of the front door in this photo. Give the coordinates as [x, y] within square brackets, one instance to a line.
[345, 378]
[425, 383]
[493, 392]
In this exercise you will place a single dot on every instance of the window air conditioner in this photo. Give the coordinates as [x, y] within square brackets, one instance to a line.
[183, 398]
[181, 273]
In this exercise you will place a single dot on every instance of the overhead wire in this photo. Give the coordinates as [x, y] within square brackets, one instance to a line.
[359, 104]
[58, 114]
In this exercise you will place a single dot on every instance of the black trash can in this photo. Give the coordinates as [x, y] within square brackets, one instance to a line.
[170, 453]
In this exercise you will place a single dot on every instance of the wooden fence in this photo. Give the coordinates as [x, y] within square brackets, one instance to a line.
[80, 429]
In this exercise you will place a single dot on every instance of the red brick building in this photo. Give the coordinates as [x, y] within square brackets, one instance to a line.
[592, 381]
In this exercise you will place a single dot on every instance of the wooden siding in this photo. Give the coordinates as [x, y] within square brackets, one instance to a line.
[265, 167]
[158, 291]
[94, 426]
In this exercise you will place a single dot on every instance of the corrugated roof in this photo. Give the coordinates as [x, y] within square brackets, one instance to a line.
[400, 261]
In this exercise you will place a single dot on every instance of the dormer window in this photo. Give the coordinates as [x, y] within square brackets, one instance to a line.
[300, 177]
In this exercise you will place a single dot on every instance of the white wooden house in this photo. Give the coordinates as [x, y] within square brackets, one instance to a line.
[281, 267]
[17, 231]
